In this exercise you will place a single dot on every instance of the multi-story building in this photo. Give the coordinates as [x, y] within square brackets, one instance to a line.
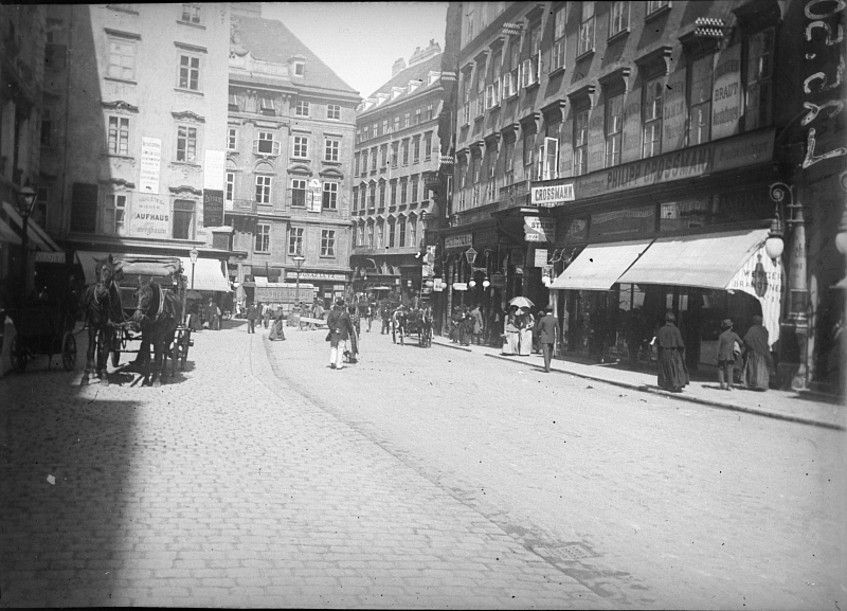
[623, 154]
[289, 141]
[396, 165]
[23, 35]
[134, 132]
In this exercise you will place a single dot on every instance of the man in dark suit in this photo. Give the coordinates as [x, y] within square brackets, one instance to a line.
[340, 327]
[252, 315]
[548, 329]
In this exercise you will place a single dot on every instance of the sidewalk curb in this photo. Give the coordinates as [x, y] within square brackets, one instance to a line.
[662, 393]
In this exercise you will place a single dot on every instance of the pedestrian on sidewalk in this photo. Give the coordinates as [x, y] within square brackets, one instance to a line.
[548, 330]
[525, 323]
[277, 328]
[729, 350]
[511, 333]
[758, 360]
[252, 315]
[266, 314]
[672, 372]
[338, 322]
[476, 319]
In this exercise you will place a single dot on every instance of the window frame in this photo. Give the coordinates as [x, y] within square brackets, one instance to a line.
[332, 148]
[654, 119]
[122, 135]
[580, 139]
[296, 237]
[294, 190]
[130, 43]
[190, 56]
[119, 228]
[196, 138]
[613, 133]
[329, 195]
[333, 112]
[232, 139]
[618, 24]
[302, 146]
[262, 238]
[301, 108]
[229, 186]
[587, 25]
[328, 243]
[191, 225]
[263, 189]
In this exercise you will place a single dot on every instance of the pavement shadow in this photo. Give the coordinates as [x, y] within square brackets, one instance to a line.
[63, 506]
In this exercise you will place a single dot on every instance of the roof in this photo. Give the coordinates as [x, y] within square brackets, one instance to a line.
[271, 41]
[415, 72]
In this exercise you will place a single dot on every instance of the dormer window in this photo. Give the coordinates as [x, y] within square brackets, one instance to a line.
[299, 68]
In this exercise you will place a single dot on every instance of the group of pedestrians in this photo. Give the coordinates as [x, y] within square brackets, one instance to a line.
[466, 325]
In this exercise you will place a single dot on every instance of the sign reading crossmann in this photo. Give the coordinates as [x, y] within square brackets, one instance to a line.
[552, 195]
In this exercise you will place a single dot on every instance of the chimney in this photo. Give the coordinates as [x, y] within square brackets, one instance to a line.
[419, 55]
[399, 65]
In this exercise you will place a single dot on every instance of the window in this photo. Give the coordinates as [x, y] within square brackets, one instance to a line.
[372, 196]
[381, 194]
[370, 235]
[393, 197]
[549, 160]
[385, 129]
[121, 59]
[301, 147]
[119, 208]
[557, 53]
[186, 144]
[299, 68]
[263, 238]
[508, 159]
[331, 148]
[413, 231]
[416, 149]
[355, 199]
[758, 82]
[333, 111]
[230, 186]
[392, 226]
[362, 235]
[189, 72]
[580, 142]
[396, 123]
[364, 162]
[233, 101]
[528, 148]
[700, 100]
[652, 117]
[383, 156]
[407, 120]
[414, 187]
[653, 6]
[266, 105]
[191, 13]
[428, 115]
[232, 139]
[510, 78]
[618, 17]
[403, 193]
[427, 146]
[401, 231]
[356, 164]
[380, 233]
[265, 143]
[46, 136]
[295, 241]
[406, 151]
[301, 109]
[373, 159]
[42, 200]
[394, 147]
[118, 136]
[614, 129]
[263, 189]
[183, 227]
[298, 192]
[330, 196]
[586, 29]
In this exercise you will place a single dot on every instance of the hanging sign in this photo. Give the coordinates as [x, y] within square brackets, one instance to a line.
[460, 240]
[460, 286]
[540, 257]
[151, 160]
[761, 277]
[537, 229]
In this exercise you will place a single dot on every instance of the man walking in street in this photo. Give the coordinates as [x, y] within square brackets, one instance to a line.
[339, 325]
[252, 315]
[547, 331]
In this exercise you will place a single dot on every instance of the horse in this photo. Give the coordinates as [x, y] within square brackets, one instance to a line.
[101, 308]
[399, 324]
[157, 312]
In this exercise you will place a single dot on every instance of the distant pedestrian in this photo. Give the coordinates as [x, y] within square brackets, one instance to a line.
[277, 328]
[339, 325]
[252, 315]
[511, 333]
[477, 326]
[370, 314]
[672, 372]
[548, 329]
[729, 351]
[525, 323]
[266, 314]
[757, 360]
[385, 315]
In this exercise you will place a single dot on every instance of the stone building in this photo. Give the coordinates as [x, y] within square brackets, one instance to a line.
[617, 160]
[289, 141]
[137, 123]
[396, 170]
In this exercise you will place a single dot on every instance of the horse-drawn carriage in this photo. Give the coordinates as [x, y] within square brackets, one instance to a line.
[137, 298]
[43, 327]
[417, 321]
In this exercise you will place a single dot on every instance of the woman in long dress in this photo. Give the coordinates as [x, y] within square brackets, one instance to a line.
[672, 372]
[277, 328]
[510, 345]
[758, 360]
[526, 325]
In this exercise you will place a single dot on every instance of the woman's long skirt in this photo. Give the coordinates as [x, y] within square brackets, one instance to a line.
[277, 331]
[672, 372]
[510, 346]
[756, 373]
[525, 346]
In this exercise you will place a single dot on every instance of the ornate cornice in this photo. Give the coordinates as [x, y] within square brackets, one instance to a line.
[119, 105]
[183, 189]
[188, 115]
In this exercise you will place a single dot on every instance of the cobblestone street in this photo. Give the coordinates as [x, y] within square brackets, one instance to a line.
[416, 478]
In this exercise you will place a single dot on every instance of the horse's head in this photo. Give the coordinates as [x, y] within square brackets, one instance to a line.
[145, 298]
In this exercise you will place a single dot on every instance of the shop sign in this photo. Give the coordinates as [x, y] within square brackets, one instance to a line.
[749, 149]
[151, 161]
[674, 111]
[213, 207]
[761, 277]
[325, 276]
[438, 284]
[460, 240]
[460, 286]
[540, 257]
[549, 196]
[498, 280]
[538, 229]
[150, 218]
[629, 222]
[726, 93]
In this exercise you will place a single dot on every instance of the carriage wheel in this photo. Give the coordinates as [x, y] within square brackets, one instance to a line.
[19, 357]
[68, 351]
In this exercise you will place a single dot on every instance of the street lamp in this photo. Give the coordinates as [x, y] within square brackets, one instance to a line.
[298, 261]
[25, 202]
[193, 254]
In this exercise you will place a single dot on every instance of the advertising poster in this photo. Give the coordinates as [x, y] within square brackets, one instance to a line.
[761, 277]
[150, 218]
[726, 93]
[213, 170]
[213, 207]
[151, 160]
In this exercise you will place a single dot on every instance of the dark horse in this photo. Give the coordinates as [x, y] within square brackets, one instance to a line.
[101, 309]
[157, 313]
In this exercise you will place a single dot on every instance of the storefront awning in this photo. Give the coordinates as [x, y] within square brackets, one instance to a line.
[598, 267]
[208, 275]
[708, 261]
[37, 235]
[7, 234]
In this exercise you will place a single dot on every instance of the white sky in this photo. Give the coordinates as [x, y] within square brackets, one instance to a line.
[361, 40]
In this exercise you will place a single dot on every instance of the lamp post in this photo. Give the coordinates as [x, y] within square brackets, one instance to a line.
[193, 254]
[797, 322]
[25, 202]
[298, 261]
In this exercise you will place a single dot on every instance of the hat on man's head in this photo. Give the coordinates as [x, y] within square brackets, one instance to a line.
[339, 301]
[726, 323]
[670, 316]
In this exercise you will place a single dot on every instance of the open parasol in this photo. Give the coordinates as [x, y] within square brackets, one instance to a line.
[521, 302]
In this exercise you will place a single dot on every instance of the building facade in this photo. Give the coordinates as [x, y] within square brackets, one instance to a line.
[396, 169]
[622, 154]
[133, 162]
[289, 141]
